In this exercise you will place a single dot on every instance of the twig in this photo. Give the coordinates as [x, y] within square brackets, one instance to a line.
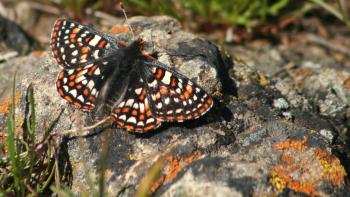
[73, 131]
[126, 19]
[323, 42]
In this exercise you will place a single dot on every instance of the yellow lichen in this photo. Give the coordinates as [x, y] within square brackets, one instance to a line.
[332, 168]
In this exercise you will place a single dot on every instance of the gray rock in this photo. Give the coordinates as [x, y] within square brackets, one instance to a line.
[242, 147]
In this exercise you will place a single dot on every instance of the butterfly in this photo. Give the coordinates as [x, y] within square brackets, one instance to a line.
[104, 74]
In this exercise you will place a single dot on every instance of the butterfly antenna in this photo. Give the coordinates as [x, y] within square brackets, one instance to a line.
[126, 19]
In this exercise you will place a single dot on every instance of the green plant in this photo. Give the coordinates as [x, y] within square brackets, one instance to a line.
[338, 11]
[236, 12]
[28, 169]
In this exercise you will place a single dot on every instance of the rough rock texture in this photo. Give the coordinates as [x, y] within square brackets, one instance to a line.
[258, 140]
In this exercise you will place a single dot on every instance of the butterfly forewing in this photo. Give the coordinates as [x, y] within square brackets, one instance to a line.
[73, 44]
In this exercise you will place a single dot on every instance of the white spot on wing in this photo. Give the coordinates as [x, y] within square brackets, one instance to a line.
[121, 104]
[93, 91]
[167, 100]
[75, 53]
[150, 120]
[153, 83]
[66, 88]
[95, 40]
[195, 97]
[129, 102]
[81, 98]
[91, 84]
[136, 105]
[96, 54]
[142, 107]
[122, 117]
[178, 110]
[132, 120]
[166, 78]
[73, 92]
[79, 79]
[97, 71]
[138, 91]
[70, 71]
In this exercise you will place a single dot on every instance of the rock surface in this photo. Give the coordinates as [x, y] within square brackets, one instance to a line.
[262, 137]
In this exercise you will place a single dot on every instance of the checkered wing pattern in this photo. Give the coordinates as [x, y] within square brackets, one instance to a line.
[83, 54]
[135, 112]
[160, 95]
[80, 86]
[174, 96]
[73, 44]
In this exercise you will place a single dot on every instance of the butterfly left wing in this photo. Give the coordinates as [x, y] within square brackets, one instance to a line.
[80, 86]
[85, 56]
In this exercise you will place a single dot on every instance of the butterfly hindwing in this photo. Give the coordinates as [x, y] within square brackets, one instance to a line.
[80, 86]
[175, 97]
[134, 113]
[73, 44]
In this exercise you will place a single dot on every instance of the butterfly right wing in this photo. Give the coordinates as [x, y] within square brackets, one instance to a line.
[84, 55]
[135, 111]
[73, 44]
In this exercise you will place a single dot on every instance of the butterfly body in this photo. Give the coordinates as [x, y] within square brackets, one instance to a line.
[101, 74]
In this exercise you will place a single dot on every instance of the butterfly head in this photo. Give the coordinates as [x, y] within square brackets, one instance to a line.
[138, 44]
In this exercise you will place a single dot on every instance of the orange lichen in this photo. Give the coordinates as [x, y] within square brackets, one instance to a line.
[347, 84]
[287, 158]
[5, 106]
[280, 179]
[119, 29]
[298, 145]
[332, 169]
[37, 53]
[174, 166]
[303, 72]
[303, 168]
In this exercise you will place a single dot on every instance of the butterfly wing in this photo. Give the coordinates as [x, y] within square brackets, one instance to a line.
[73, 44]
[135, 112]
[175, 97]
[159, 95]
[80, 86]
[84, 55]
